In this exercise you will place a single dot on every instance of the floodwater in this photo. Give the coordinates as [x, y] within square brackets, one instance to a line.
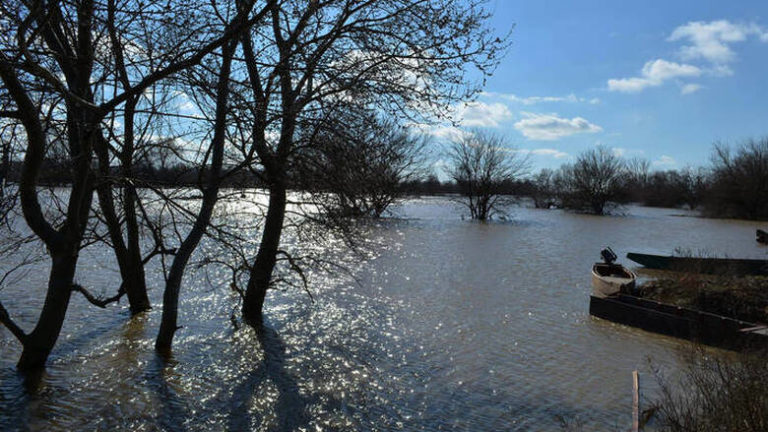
[451, 325]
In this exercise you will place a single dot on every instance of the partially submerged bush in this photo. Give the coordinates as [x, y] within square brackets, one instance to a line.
[715, 393]
[740, 181]
[594, 183]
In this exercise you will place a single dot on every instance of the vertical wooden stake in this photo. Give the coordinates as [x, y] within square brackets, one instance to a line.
[635, 402]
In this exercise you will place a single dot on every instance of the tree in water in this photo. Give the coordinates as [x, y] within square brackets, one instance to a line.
[404, 58]
[739, 181]
[55, 74]
[361, 163]
[593, 182]
[481, 164]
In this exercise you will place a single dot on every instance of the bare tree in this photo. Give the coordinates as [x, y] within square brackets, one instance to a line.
[405, 58]
[592, 182]
[52, 69]
[543, 191]
[362, 162]
[481, 163]
[740, 180]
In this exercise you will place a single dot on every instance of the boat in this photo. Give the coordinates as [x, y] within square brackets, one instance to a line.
[609, 278]
[613, 298]
[690, 324]
[722, 266]
[761, 236]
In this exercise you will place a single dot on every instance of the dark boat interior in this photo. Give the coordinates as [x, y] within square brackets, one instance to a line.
[612, 270]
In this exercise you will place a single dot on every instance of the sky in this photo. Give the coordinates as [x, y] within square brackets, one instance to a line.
[662, 80]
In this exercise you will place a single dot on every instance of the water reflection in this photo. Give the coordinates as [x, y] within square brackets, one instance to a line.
[453, 325]
[164, 381]
[291, 407]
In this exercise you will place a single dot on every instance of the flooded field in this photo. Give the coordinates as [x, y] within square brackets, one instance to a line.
[451, 325]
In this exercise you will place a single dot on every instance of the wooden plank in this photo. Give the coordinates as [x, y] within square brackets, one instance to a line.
[753, 329]
[635, 402]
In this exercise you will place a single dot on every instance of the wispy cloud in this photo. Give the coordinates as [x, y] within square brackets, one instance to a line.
[533, 100]
[665, 161]
[557, 154]
[480, 114]
[442, 132]
[690, 88]
[550, 127]
[653, 74]
[712, 40]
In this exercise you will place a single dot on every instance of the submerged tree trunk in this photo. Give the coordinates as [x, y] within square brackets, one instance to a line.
[39, 343]
[169, 322]
[128, 255]
[5, 166]
[263, 266]
[131, 269]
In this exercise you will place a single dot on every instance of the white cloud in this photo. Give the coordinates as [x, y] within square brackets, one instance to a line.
[184, 103]
[711, 40]
[689, 88]
[653, 74]
[622, 152]
[480, 114]
[445, 132]
[533, 100]
[549, 127]
[665, 161]
[557, 154]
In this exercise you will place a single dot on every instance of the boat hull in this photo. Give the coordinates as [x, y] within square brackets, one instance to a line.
[761, 236]
[611, 279]
[723, 266]
[701, 327]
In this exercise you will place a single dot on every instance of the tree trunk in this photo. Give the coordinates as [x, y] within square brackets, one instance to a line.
[168, 324]
[40, 341]
[136, 284]
[261, 272]
[131, 268]
[5, 164]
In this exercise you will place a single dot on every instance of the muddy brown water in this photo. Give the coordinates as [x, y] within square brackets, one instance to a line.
[452, 325]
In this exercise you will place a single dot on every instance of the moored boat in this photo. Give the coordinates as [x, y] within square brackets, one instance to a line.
[690, 324]
[723, 266]
[609, 278]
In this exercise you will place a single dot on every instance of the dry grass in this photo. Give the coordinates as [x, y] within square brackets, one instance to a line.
[744, 298]
[715, 393]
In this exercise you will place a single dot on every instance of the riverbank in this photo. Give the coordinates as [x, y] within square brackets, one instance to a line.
[743, 298]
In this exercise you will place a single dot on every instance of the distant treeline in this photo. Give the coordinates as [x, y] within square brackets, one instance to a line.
[734, 185]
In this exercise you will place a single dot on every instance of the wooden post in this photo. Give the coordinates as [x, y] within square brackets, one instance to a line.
[635, 402]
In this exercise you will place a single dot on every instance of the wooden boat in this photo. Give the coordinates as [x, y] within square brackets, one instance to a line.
[609, 279]
[702, 265]
[702, 327]
[761, 236]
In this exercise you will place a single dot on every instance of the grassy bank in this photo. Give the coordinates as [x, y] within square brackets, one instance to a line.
[744, 298]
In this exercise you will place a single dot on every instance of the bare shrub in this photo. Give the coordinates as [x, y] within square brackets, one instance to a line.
[481, 164]
[593, 182]
[716, 392]
[740, 181]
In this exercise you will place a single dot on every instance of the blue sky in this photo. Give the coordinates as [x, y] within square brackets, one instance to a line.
[661, 80]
